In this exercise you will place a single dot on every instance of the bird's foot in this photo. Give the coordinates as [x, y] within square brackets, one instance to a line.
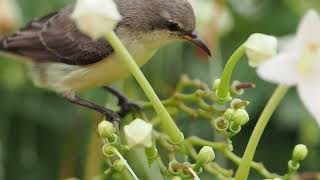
[109, 114]
[124, 102]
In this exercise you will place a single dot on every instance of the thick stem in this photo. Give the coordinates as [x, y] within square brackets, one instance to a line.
[223, 91]
[244, 168]
[168, 124]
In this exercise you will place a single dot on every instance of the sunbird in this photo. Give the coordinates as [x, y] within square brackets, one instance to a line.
[67, 61]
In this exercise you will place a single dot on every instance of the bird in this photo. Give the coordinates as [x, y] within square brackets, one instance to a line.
[65, 60]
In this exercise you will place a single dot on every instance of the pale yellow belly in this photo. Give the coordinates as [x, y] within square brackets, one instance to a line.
[68, 78]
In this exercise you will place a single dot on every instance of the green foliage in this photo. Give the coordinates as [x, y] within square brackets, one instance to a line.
[44, 137]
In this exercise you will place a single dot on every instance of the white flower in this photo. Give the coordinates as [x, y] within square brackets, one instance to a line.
[138, 133]
[9, 16]
[259, 48]
[96, 18]
[299, 65]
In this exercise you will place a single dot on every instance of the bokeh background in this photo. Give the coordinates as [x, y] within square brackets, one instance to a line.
[43, 137]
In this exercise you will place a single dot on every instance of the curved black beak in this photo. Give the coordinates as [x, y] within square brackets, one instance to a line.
[195, 39]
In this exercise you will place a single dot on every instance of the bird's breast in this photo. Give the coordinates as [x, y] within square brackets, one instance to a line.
[65, 78]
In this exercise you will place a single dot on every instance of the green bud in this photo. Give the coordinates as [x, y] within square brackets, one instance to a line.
[151, 153]
[119, 165]
[216, 84]
[234, 128]
[108, 150]
[239, 104]
[221, 124]
[106, 129]
[206, 155]
[240, 117]
[228, 114]
[176, 178]
[300, 152]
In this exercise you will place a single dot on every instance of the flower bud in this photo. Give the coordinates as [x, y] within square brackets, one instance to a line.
[176, 178]
[119, 165]
[106, 129]
[9, 16]
[216, 84]
[300, 152]
[206, 155]
[138, 134]
[96, 18]
[151, 154]
[234, 128]
[228, 114]
[240, 117]
[259, 48]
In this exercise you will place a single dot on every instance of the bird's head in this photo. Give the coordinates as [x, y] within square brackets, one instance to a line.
[160, 20]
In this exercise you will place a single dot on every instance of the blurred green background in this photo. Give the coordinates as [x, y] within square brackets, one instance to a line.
[43, 137]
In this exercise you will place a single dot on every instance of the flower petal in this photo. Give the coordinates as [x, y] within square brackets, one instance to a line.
[309, 28]
[280, 69]
[310, 95]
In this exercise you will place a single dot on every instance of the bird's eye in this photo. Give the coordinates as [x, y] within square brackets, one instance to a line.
[172, 26]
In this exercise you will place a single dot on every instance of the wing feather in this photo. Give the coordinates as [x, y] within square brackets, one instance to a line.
[55, 38]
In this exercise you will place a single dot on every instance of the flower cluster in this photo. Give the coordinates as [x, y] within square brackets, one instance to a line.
[296, 66]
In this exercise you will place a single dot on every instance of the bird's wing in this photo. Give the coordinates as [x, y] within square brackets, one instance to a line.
[55, 38]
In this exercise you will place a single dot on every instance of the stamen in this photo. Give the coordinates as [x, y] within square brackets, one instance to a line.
[306, 62]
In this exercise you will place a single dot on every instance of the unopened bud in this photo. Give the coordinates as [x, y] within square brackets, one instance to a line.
[259, 48]
[240, 117]
[300, 152]
[9, 16]
[228, 114]
[176, 178]
[151, 154]
[216, 84]
[206, 155]
[119, 165]
[106, 129]
[96, 18]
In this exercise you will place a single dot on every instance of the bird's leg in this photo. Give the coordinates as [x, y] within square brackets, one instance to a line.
[124, 102]
[110, 115]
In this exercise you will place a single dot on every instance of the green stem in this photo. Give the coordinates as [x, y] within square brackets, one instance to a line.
[168, 124]
[127, 165]
[222, 147]
[244, 168]
[223, 92]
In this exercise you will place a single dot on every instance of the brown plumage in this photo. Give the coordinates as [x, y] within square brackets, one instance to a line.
[67, 61]
[55, 37]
